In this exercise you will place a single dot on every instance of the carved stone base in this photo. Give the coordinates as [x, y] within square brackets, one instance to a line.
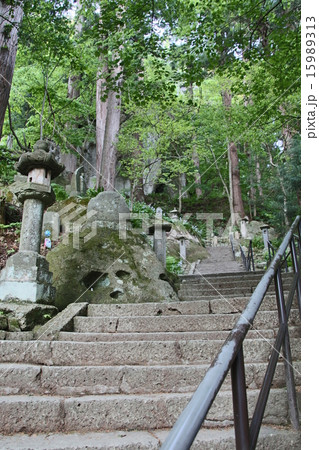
[26, 277]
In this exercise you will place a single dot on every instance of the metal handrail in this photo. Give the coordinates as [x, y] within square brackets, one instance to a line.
[248, 260]
[231, 239]
[231, 357]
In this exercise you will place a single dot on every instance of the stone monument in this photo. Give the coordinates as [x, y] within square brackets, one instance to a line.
[26, 276]
[159, 230]
[243, 227]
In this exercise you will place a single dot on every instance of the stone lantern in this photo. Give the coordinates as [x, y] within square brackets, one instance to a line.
[174, 215]
[265, 233]
[26, 276]
[243, 227]
[182, 247]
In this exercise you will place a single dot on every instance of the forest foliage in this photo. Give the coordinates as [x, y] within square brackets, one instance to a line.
[172, 64]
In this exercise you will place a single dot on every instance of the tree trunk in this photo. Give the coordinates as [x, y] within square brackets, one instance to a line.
[237, 198]
[8, 51]
[2, 211]
[195, 157]
[101, 114]
[198, 179]
[112, 127]
[236, 207]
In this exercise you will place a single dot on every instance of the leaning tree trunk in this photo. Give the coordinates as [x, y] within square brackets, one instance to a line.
[8, 51]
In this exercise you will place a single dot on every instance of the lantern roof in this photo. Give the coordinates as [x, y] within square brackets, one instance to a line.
[40, 158]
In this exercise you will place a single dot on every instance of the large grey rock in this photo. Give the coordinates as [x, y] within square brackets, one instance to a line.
[107, 269]
[105, 209]
[27, 315]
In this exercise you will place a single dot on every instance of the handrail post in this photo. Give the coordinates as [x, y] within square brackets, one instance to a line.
[240, 402]
[252, 255]
[291, 391]
[296, 269]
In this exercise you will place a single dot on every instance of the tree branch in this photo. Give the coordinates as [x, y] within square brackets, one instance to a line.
[261, 19]
[25, 149]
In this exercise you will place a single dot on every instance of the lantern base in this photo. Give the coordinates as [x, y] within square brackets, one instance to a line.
[26, 277]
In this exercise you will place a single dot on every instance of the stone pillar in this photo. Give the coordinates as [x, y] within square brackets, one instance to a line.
[182, 248]
[26, 276]
[243, 227]
[31, 230]
[159, 244]
[265, 234]
[160, 247]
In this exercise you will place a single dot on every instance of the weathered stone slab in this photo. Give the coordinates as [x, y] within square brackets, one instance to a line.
[211, 322]
[149, 309]
[32, 352]
[62, 322]
[19, 378]
[140, 412]
[207, 439]
[118, 440]
[164, 336]
[97, 380]
[35, 414]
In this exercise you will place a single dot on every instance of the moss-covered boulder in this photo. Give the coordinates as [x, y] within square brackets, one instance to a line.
[107, 269]
[23, 316]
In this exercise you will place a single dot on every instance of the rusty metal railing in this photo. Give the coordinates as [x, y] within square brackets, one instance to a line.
[231, 358]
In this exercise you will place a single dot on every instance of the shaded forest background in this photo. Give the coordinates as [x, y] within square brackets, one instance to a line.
[200, 97]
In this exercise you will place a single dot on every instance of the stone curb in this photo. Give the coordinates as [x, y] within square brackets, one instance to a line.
[269, 438]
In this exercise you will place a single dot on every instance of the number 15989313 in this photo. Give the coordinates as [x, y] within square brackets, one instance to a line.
[310, 47]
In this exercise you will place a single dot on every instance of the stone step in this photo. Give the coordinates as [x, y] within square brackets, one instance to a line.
[149, 353]
[193, 297]
[206, 322]
[26, 379]
[233, 304]
[270, 438]
[235, 291]
[148, 309]
[39, 414]
[168, 336]
[216, 268]
[195, 278]
[220, 284]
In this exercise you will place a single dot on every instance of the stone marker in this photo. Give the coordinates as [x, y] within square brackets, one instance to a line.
[182, 248]
[26, 276]
[159, 230]
[77, 187]
[243, 227]
[52, 222]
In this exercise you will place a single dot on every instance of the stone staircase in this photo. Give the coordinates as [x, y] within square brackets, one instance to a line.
[121, 378]
[221, 260]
